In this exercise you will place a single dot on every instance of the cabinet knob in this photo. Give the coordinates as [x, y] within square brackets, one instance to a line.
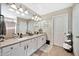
[77, 36]
[11, 47]
[27, 46]
[24, 47]
[42, 38]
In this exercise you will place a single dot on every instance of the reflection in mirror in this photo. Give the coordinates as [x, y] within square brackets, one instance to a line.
[22, 26]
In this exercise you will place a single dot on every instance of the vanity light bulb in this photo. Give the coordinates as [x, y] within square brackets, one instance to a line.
[35, 16]
[17, 12]
[26, 12]
[13, 6]
[20, 9]
[32, 17]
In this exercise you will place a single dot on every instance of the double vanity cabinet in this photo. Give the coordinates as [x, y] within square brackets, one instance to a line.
[23, 46]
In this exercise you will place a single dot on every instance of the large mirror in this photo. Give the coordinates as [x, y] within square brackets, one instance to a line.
[22, 25]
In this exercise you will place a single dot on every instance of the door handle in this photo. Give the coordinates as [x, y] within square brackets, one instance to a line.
[11, 47]
[24, 47]
[27, 46]
[77, 36]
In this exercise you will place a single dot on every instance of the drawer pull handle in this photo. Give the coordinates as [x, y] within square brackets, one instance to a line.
[77, 36]
[11, 47]
[27, 46]
[24, 47]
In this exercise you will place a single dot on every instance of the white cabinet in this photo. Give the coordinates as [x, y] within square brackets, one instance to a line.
[22, 48]
[0, 52]
[6, 51]
[34, 44]
[10, 50]
[43, 40]
[39, 42]
[29, 47]
[14, 51]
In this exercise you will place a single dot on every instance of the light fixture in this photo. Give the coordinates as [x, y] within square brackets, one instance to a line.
[36, 17]
[20, 9]
[26, 12]
[17, 12]
[10, 9]
[33, 18]
[13, 6]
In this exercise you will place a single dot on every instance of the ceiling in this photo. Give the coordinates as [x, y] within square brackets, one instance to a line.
[44, 8]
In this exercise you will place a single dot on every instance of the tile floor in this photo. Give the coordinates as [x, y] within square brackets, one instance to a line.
[47, 50]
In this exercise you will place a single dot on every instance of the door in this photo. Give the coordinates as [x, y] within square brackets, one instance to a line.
[59, 29]
[76, 29]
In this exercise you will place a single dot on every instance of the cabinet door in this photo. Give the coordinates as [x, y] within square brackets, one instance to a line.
[23, 48]
[6, 51]
[39, 42]
[0, 52]
[29, 47]
[10, 50]
[43, 40]
[15, 50]
[34, 44]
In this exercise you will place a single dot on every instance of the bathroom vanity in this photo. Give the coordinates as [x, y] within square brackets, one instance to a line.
[22, 46]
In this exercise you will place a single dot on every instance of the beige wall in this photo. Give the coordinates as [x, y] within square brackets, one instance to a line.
[49, 19]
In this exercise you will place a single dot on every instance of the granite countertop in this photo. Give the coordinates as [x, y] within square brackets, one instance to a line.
[16, 40]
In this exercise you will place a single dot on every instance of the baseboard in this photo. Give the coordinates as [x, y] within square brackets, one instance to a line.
[75, 53]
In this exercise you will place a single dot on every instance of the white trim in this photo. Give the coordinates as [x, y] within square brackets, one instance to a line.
[10, 28]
